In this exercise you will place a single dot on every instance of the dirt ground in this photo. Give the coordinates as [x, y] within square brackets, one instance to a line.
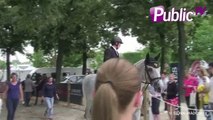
[72, 112]
[36, 112]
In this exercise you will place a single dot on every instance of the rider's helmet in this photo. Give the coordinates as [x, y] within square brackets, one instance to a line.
[116, 40]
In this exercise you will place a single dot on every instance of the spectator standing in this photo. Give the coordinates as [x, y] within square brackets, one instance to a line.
[155, 102]
[49, 93]
[28, 89]
[210, 87]
[13, 94]
[203, 91]
[172, 97]
[190, 86]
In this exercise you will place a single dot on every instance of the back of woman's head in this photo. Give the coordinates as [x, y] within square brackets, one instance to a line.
[116, 84]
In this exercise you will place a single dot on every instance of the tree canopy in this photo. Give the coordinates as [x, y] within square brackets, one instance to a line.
[67, 31]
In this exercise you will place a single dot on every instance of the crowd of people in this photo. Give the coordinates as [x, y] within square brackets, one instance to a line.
[20, 92]
[198, 92]
[199, 85]
[118, 91]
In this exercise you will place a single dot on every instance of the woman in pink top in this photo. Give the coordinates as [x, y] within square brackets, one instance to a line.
[190, 85]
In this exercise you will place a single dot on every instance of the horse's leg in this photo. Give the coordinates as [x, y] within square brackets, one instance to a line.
[89, 87]
[88, 109]
[1, 103]
[85, 94]
[86, 114]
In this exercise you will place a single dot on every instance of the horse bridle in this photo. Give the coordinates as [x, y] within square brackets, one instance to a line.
[148, 81]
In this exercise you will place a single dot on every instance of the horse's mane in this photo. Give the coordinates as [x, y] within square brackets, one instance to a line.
[140, 64]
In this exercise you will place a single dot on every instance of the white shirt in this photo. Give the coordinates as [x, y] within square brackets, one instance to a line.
[153, 92]
[164, 84]
[201, 80]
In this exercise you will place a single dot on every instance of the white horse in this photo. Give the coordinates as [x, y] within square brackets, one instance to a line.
[149, 73]
[88, 87]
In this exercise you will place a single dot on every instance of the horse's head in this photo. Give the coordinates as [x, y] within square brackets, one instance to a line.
[149, 70]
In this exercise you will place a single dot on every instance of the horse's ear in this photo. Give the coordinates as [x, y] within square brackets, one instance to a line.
[147, 56]
[157, 57]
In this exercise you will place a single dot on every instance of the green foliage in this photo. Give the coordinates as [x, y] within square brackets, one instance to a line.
[201, 46]
[97, 60]
[134, 57]
[10, 34]
[75, 27]
[39, 59]
[2, 65]
[72, 60]
[210, 6]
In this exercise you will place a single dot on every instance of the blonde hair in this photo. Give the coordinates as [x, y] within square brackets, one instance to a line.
[116, 84]
[203, 72]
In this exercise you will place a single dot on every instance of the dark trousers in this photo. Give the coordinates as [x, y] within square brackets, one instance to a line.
[11, 108]
[155, 106]
[192, 113]
[27, 96]
[36, 96]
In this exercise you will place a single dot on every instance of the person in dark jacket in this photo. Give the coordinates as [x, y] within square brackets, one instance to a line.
[172, 97]
[28, 89]
[112, 52]
[49, 92]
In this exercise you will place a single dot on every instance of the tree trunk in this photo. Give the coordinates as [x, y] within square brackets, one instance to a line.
[162, 60]
[181, 51]
[162, 69]
[84, 57]
[59, 61]
[8, 50]
[181, 56]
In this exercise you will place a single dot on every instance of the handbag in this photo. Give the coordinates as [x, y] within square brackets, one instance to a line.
[192, 99]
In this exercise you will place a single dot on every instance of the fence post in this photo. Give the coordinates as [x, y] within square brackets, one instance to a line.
[68, 92]
[146, 105]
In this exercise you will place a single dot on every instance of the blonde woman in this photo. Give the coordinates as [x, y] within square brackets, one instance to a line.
[172, 97]
[117, 91]
[203, 91]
